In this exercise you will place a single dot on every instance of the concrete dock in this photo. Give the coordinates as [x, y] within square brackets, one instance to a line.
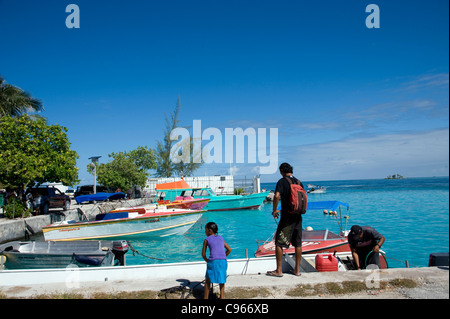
[394, 283]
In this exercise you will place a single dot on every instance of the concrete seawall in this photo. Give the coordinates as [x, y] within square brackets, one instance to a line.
[249, 280]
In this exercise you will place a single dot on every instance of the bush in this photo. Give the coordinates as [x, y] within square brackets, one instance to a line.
[15, 208]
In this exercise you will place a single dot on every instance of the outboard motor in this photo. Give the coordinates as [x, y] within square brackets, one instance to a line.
[120, 248]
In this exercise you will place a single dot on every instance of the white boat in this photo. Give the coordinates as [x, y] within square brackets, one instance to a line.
[158, 222]
[317, 190]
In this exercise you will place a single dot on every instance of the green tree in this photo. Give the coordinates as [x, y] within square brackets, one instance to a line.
[164, 165]
[15, 102]
[31, 151]
[126, 170]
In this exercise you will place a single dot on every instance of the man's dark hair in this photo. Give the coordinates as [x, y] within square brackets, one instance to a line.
[286, 168]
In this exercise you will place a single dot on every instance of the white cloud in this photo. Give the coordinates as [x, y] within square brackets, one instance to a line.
[440, 80]
[409, 154]
[233, 170]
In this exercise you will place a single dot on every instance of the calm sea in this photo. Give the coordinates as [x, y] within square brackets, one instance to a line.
[413, 215]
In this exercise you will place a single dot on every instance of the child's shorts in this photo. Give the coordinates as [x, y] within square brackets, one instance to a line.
[216, 271]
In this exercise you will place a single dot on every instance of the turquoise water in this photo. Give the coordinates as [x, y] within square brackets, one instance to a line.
[413, 215]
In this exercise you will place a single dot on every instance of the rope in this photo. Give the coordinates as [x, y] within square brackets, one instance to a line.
[137, 252]
[402, 261]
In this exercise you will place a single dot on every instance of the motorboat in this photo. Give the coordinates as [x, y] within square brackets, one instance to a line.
[315, 241]
[321, 242]
[182, 190]
[159, 221]
[54, 254]
[99, 197]
[336, 261]
[179, 202]
[317, 190]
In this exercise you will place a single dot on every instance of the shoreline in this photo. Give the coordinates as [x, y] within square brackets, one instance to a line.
[362, 179]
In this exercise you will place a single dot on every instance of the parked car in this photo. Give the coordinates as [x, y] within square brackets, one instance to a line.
[89, 189]
[48, 197]
[71, 193]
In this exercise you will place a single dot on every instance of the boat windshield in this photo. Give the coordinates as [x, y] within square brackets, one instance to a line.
[186, 193]
[204, 192]
[314, 235]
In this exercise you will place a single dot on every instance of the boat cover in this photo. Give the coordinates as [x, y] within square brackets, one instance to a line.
[330, 205]
[173, 185]
[111, 216]
[99, 197]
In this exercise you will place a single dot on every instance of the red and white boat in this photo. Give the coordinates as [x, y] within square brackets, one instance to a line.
[316, 241]
[313, 242]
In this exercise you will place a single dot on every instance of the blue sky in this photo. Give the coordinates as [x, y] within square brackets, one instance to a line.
[349, 102]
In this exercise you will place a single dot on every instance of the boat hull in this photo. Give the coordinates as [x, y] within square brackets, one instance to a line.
[40, 255]
[231, 202]
[221, 202]
[308, 247]
[313, 242]
[32, 261]
[148, 225]
[193, 204]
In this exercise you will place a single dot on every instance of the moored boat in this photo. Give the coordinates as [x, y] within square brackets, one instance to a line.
[316, 241]
[313, 242]
[51, 254]
[181, 190]
[181, 203]
[336, 261]
[160, 221]
[99, 197]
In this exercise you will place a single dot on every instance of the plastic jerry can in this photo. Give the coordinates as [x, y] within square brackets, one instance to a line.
[326, 262]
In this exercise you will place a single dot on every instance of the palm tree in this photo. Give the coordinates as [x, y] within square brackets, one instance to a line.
[15, 101]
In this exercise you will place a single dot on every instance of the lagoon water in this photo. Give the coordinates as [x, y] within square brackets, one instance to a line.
[413, 215]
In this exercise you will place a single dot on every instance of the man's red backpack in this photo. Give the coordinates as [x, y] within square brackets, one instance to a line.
[298, 198]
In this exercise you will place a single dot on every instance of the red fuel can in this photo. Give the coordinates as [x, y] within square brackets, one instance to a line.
[326, 262]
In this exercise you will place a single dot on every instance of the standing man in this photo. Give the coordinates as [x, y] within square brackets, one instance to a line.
[289, 229]
[362, 241]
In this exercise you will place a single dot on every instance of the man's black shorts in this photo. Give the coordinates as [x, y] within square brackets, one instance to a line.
[289, 231]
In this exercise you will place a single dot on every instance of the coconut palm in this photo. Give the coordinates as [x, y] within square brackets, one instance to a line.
[15, 101]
